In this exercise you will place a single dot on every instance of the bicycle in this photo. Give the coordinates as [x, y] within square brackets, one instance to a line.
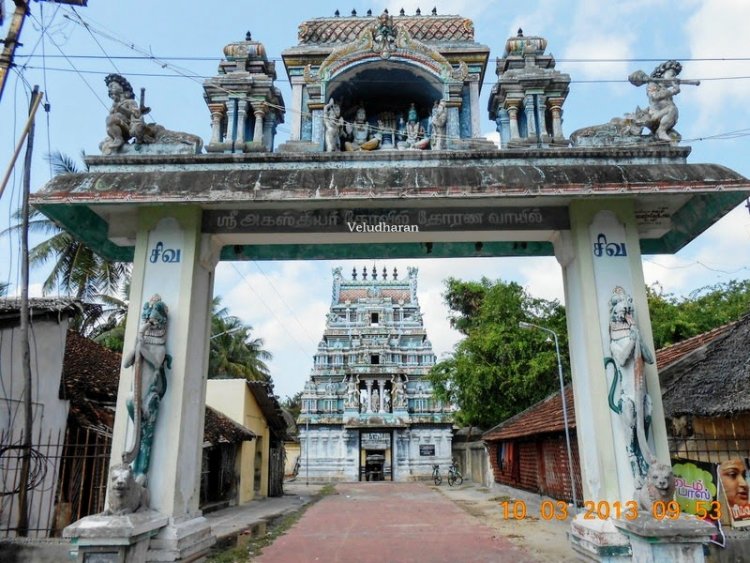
[436, 474]
[454, 475]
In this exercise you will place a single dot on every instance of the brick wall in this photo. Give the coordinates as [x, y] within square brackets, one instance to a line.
[543, 467]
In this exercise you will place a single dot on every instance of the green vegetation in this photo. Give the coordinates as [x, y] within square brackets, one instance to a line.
[234, 352]
[498, 369]
[677, 318]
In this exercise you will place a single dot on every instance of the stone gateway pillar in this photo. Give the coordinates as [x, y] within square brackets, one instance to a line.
[174, 260]
[619, 414]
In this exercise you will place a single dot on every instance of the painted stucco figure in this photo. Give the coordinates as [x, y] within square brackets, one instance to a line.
[399, 393]
[125, 122]
[659, 117]
[439, 119]
[384, 35]
[362, 138]
[352, 395]
[415, 137]
[125, 119]
[334, 125]
[628, 395]
[151, 361]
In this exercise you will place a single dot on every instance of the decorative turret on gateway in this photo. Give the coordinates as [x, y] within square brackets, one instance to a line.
[526, 103]
[245, 105]
[387, 82]
[370, 378]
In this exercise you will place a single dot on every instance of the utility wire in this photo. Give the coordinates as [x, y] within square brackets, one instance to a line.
[73, 66]
[487, 82]
[279, 59]
[281, 298]
[260, 300]
[91, 33]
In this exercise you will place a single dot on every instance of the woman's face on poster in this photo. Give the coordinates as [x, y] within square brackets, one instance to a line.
[734, 481]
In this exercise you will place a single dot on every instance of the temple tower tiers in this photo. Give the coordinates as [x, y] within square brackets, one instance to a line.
[526, 102]
[368, 412]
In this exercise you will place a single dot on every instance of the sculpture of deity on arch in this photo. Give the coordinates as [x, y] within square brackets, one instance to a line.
[362, 136]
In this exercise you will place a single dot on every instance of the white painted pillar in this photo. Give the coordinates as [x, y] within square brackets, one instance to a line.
[369, 395]
[513, 115]
[260, 112]
[476, 126]
[381, 388]
[590, 275]
[185, 285]
[295, 115]
[241, 122]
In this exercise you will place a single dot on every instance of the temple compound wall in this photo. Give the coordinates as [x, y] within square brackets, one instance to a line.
[368, 412]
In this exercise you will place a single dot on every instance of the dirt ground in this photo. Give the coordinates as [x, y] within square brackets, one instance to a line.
[546, 540]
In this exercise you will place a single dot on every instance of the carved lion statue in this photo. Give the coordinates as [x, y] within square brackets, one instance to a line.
[659, 486]
[125, 495]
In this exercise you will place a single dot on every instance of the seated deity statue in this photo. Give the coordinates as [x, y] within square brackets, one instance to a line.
[125, 122]
[415, 137]
[361, 137]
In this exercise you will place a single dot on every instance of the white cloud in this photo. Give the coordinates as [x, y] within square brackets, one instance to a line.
[718, 28]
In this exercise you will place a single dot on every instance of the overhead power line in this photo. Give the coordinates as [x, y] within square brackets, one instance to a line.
[219, 58]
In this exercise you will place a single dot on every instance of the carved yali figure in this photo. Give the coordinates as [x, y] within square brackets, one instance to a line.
[125, 494]
[658, 487]
[149, 383]
[125, 121]
[628, 355]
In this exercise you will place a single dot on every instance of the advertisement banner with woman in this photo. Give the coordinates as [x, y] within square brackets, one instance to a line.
[733, 473]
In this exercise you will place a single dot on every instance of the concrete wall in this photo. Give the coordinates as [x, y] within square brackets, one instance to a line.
[50, 413]
[233, 398]
[292, 451]
[473, 462]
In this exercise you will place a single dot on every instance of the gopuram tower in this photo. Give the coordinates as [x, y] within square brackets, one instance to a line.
[368, 412]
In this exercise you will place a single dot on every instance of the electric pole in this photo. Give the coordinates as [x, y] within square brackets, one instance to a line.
[14, 32]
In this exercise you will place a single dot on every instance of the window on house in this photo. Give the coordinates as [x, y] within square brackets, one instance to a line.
[374, 319]
[375, 359]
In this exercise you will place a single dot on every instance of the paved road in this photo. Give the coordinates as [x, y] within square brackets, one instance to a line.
[388, 523]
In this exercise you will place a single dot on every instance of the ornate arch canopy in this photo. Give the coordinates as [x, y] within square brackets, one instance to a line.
[385, 64]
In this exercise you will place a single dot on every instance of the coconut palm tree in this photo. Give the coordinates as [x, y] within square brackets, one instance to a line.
[77, 270]
[234, 352]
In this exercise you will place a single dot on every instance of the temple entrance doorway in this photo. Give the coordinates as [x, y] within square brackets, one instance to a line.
[375, 455]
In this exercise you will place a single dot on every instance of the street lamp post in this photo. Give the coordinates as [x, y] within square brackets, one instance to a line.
[526, 325]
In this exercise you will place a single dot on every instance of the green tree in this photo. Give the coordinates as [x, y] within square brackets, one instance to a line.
[293, 404]
[677, 318]
[76, 269]
[498, 369]
[234, 352]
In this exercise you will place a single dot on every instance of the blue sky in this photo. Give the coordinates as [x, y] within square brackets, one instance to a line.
[286, 301]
